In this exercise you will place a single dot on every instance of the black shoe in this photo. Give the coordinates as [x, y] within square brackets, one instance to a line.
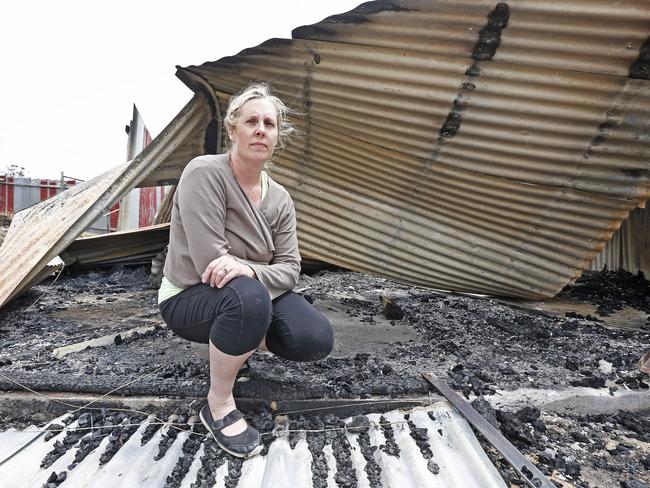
[244, 445]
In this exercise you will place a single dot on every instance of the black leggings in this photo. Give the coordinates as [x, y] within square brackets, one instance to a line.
[236, 318]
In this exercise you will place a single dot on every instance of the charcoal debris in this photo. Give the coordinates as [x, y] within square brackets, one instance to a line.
[390, 309]
[390, 447]
[372, 469]
[635, 484]
[234, 471]
[346, 476]
[421, 437]
[611, 290]
[168, 438]
[433, 467]
[481, 346]
[211, 460]
[482, 406]
[53, 431]
[359, 423]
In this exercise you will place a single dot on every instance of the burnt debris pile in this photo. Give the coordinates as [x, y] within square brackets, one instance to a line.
[611, 291]
[482, 347]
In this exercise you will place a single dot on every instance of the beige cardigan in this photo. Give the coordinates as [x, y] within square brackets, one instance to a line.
[212, 216]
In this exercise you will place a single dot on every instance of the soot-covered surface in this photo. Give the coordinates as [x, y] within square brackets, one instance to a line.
[479, 345]
[99, 448]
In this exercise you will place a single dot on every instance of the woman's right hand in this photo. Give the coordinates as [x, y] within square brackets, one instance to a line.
[220, 271]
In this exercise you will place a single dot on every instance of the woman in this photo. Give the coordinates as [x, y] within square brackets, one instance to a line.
[233, 260]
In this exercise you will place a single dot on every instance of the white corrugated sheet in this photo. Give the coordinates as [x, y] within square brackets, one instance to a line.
[457, 453]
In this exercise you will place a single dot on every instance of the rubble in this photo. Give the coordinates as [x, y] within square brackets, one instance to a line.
[611, 290]
[482, 347]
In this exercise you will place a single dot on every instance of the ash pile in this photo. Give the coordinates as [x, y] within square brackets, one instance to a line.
[560, 379]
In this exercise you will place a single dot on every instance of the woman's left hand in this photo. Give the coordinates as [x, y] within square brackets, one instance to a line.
[220, 271]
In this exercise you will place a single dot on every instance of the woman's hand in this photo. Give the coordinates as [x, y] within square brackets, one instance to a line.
[220, 271]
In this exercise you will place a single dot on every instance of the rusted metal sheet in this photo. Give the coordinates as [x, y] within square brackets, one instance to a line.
[41, 232]
[123, 247]
[165, 209]
[196, 142]
[630, 247]
[469, 145]
[17, 193]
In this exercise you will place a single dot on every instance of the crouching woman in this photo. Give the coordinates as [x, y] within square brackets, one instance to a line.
[232, 263]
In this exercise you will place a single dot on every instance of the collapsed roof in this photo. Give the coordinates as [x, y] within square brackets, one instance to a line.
[466, 146]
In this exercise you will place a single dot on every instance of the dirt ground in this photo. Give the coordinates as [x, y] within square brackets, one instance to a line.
[486, 348]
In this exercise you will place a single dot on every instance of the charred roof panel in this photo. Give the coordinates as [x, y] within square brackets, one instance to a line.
[472, 146]
[38, 234]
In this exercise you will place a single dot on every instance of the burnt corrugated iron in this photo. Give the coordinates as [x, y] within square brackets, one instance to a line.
[38, 234]
[131, 246]
[469, 145]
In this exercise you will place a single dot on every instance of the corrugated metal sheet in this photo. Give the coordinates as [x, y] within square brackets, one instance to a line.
[630, 247]
[453, 448]
[17, 194]
[133, 246]
[41, 232]
[465, 145]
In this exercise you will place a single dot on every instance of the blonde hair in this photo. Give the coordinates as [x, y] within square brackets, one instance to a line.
[263, 91]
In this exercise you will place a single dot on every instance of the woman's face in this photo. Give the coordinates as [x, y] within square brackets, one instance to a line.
[256, 132]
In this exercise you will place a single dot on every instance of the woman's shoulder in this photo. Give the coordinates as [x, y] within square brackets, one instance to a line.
[207, 169]
[207, 163]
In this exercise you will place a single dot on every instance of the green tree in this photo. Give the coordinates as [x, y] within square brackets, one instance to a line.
[14, 170]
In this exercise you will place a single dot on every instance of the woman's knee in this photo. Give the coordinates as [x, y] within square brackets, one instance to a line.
[244, 318]
[323, 342]
[252, 298]
[298, 331]
[316, 343]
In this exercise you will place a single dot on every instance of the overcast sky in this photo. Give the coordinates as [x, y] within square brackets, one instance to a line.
[71, 70]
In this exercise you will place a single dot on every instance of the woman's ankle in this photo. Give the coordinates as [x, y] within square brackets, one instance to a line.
[220, 406]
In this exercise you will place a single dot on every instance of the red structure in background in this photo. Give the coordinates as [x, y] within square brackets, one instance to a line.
[49, 188]
[112, 218]
[17, 193]
[139, 206]
[149, 195]
[6, 194]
